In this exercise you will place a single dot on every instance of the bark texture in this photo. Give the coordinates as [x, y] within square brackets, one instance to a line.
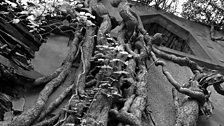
[109, 87]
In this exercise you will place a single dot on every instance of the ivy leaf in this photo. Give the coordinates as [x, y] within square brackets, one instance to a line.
[106, 67]
[15, 21]
[102, 46]
[89, 15]
[98, 55]
[24, 12]
[124, 52]
[32, 30]
[31, 17]
[89, 23]
[79, 5]
[101, 59]
[65, 22]
[118, 60]
[111, 48]
[82, 13]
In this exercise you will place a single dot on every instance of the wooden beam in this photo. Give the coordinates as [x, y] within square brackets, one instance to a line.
[31, 74]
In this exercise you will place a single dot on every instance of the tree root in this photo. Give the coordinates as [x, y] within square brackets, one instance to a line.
[48, 121]
[187, 111]
[103, 30]
[27, 117]
[123, 116]
[188, 108]
[181, 61]
[48, 78]
[86, 54]
[97, 113]
[197, 94]
[57, 102]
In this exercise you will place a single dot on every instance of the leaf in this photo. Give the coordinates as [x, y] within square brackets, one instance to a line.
[105, 85]
[65, 22]
[101, 59]
[89, 23]
[65, 6]
[106, 67]
[15, 21]
[98, 55]
[83, 17]
[14, 5]
[121, 72]
[79, 5]
[102, 46]
[111, 48]
[3, 12]
[119, 48]
[111, 39]
[82, 13]
[124, 52]
[118, 60]
[31, 30]
[31, 17]
[88, 14]
[24, 12]
[69, 124]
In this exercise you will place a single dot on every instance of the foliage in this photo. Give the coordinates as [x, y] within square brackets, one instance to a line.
[167, 5]
[205, 11]
[37, 15]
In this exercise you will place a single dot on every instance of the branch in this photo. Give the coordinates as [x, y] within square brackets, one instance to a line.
[197, 94]
[181, 61]
[123, 115]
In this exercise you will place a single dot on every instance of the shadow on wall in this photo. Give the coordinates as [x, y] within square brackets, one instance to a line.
[51, 54]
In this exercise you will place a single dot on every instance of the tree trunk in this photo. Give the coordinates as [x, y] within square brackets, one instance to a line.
[110, 84]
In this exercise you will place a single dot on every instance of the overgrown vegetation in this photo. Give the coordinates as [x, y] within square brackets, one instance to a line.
[110, 83]
[205, 11]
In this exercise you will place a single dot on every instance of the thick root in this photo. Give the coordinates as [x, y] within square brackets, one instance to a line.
[187, 111]
[86, 54]
[48, 78]
[27, 117]
[98, 110]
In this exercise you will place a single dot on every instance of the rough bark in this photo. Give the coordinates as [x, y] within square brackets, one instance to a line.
[27, 117]
[48, 78]
[181, 61]
[111, 81]
[187, 111]
[86, 54]
[97, 113]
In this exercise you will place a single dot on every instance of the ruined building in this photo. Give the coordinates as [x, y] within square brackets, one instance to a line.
[26, 57]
